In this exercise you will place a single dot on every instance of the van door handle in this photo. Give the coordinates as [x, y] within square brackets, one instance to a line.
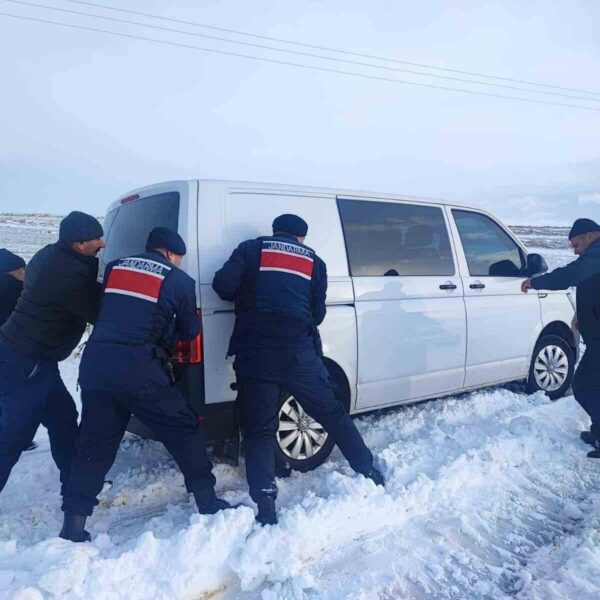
[477, 286]
[448, 286]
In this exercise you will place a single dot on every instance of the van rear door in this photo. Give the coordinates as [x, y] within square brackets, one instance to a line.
[127, 224]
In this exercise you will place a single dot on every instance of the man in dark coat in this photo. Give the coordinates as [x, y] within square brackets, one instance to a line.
[279, 286]
[585, 274]
[60, 296]
[147, 305]
[12, 274]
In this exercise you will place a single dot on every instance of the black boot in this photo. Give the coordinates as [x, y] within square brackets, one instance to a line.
[376, 476]
[283, 470]
[589, 438]
[73, 529]
[209, 504]
[267, 515]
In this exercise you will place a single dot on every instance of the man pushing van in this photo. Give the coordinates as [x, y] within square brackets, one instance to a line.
[279, 286]
[148, 303]
[585, 274]
[60, 297]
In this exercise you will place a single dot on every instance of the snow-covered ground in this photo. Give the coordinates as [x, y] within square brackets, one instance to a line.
[26, 234]
[489, 495]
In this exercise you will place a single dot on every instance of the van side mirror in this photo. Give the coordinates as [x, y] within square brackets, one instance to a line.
[536, 264]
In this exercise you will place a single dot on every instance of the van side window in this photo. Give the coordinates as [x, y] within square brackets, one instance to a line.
[489, 250]
[391, 239]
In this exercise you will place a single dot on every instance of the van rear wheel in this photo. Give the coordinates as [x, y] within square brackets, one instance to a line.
[302, 443]
[552, 367]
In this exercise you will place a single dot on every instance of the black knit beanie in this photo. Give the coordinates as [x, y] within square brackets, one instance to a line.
[163, 237]
[583, 226]
[9, 261]
[292, 224]
[79, 227]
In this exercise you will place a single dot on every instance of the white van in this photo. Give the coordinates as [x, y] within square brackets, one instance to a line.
[424, 298]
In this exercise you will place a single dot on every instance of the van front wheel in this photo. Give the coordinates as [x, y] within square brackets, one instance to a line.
[552, 367]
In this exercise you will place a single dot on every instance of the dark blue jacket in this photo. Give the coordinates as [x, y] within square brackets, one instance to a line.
[10, 290]
[146, 299]
[147, 305]
[279, 288]
[585, 274]
[60, 296]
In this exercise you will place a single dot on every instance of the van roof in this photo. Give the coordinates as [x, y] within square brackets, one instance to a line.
[239, 186]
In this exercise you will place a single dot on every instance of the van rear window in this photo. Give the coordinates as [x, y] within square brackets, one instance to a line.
[126, 228]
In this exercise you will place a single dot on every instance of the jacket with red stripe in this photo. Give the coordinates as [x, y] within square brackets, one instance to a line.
[146, 299]
[279, 288]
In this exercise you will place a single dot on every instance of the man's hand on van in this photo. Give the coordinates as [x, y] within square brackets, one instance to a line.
[526, 285]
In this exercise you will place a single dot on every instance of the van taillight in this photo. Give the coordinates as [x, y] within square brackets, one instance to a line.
[189, 351]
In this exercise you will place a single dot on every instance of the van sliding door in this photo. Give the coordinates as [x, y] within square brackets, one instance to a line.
[408, 298]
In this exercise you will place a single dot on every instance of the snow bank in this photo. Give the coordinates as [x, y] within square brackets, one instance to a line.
[145, 567]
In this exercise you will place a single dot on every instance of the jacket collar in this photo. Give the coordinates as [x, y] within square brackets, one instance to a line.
[157, 256]
[90, 261]
[593, 247]
[287, 236]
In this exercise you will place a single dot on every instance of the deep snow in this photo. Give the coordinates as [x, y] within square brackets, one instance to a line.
[489, 495]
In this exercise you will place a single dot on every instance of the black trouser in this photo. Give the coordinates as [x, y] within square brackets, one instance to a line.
[261, 375]
[586, 385]
[33, 393]
[104, 419]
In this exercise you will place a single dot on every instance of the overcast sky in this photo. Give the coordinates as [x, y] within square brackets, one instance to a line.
[87, 116]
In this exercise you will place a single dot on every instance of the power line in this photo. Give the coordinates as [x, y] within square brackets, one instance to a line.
[329, 49]
[293, 64]
[299, 53]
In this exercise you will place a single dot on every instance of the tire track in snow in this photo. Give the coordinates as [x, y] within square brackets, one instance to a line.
[471, 525]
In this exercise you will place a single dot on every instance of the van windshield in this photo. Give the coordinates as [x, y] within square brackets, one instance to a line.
[126, 228]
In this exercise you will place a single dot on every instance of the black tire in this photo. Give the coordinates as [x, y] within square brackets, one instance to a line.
[548, 348]
[285, 445]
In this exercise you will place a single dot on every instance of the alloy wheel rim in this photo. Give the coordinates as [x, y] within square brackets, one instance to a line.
[551, 368]
[299, 436]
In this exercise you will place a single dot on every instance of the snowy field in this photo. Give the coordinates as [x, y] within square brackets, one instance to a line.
[489, 496]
